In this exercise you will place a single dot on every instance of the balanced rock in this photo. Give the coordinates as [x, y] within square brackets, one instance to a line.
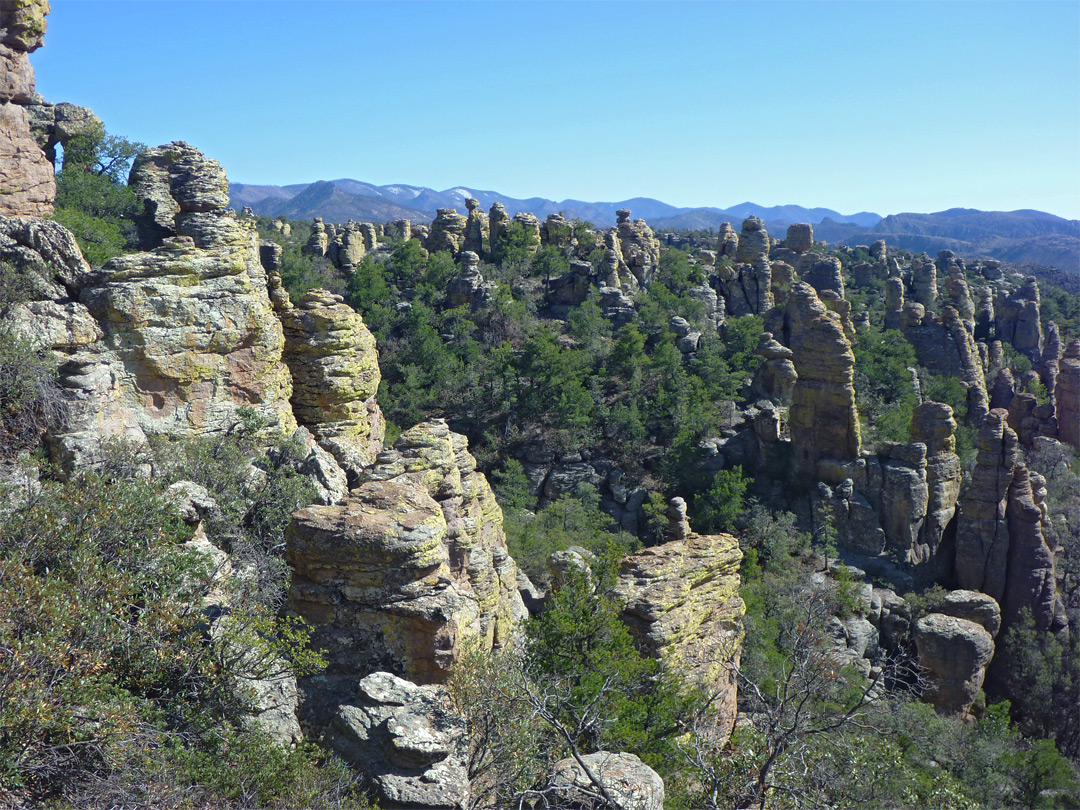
[975, 607]
[637, 246]
[476, 227]
[753, 242]
[955, 653]
[800, 237]
[727, 242]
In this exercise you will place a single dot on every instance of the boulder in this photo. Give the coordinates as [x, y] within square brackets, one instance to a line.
[954, 652]
[631, 784]
[800, 237]
[637, 247]
[974, 607]
[408, 740]
[447, 231]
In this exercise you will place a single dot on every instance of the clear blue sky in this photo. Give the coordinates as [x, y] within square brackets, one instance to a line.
[876, 106]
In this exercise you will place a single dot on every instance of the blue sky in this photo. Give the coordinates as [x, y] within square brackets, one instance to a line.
[880, 106]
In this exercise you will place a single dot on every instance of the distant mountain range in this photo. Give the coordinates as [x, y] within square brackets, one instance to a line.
[1023, 236]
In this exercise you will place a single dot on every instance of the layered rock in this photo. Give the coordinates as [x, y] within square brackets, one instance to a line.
[800, 237]
[1067, 395]
[727, 242]
[409, 567]
[1018, 319]
[776, 377]
[682, 604]
[27, 183]
[407, 739]
[932, 424]
[753, 245]
[469, 288]
[637, 246]
[982, 537]
[335, 372]
[954, 652]
[924, 284]
[476, 227]
[318, 242]
[498, 222]
[1030, 580]
[823, 419]
[447, 231]
[170, 182]
[822, 273]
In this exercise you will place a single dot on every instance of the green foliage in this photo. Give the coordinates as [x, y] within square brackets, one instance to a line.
[572, 520]
[1042, 676]
[717, 508]
[741, 339]
[92, 198]
[884, 392]
[515, 246]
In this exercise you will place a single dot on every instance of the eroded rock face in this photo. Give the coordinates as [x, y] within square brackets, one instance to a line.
[682, 604]
[800, 237]
[955, 653]
[414, 563]
[476, 227]
[27, 184]
[447, 231]
[982, 537]
[173, 180]
[407, 739]
[932, 424]
[823, 420]
[637, 246]
[1031, 581]
[1067, 395]
[335, 371]
[1018, 319]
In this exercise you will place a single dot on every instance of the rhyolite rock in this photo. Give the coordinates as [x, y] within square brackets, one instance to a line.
[170, 181]
[407, 739]
[447, 231]
[409, 567]
[637, 246]
[1019, 321]
[630, 783]
[335, 372]
[932, 425]
[800, 237]
[1067, 395]
[823, 419]
[476, 228]
[682, 604]
[954, 652]
[27, 183]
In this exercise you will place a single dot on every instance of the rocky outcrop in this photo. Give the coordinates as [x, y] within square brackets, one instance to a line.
[173, 182]
[932, 425]
[954, 652]
[945, 346]
[408, 568]
[800, 237]
[924, 284]
[776, 377]
[727, 242]
[637, 246]
[407, 739]
[982, 536]
[974, 607]
[1018, 319]
[530, 223]
[498, 222]
[823, 419]
[476, 227]
[318, 242]
[1067, 395]
[447, 231]
[27, 184]
[1030, 579]
[894, 302]
[682, 604]
[630, 783]
[189, 330]
[469, 288]
[753, 242]
[335, 372]
[822, 273]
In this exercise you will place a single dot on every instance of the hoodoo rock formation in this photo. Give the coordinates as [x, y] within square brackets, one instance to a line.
[27, 184]
[335, 371]
[823, 419]
[412, 565]
[683, 604]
